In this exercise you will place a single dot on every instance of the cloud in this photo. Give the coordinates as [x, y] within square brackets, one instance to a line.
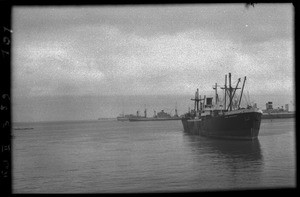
[52, 69]
[93, 56]
[261, 23]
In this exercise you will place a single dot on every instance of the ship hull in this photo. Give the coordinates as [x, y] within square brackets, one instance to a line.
[153, 119]
[122, 119]
[234, 126]
[278, 115]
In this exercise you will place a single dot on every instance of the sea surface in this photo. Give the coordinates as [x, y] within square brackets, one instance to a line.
[120, 157]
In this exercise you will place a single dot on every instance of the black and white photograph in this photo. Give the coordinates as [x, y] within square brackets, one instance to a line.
[152, 98]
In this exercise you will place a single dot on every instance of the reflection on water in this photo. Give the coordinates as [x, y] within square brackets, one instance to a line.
[237, 160]
[248, 150]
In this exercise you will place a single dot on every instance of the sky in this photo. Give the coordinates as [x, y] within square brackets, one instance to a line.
[80, 62]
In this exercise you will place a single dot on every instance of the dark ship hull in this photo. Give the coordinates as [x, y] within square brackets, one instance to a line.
[154, 119]
[243, 125]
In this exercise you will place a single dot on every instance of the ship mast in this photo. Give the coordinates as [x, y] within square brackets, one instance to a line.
[242, 92]
[230, 90]
[200, 103]
[176, 114]
[225, 92]
[203, 104]
[232, 95]
[196, 99]
[217, 98]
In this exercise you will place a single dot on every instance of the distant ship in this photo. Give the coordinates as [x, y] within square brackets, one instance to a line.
[123, 117]
[223, 121]
[270, 113]
[160, 116]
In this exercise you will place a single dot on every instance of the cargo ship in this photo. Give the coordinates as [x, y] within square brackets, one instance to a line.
[270, 113]
[160, 116]
[224, 119]
[122, 118]
[126, 117]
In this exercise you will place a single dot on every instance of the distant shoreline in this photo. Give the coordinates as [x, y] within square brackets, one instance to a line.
[65, 121]
[23, 128]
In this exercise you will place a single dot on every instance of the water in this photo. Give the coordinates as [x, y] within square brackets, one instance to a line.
[112, 156]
